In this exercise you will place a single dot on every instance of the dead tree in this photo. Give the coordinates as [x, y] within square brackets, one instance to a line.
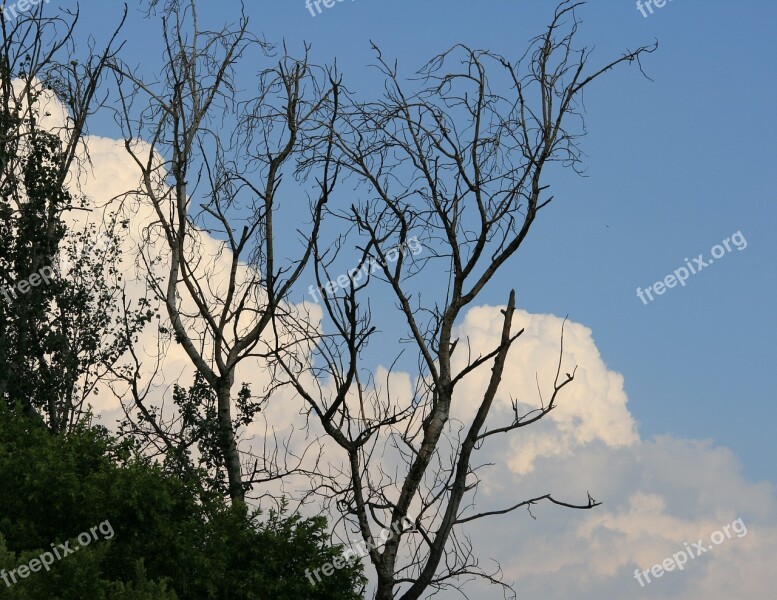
[211, 162]
[461, 168]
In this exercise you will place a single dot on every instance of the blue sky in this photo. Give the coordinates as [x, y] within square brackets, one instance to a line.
[674, 166]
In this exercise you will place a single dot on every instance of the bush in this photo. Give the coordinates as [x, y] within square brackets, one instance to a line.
[165, 543]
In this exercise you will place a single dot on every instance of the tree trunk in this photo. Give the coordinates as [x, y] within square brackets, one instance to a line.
[227, 439]
[385, 590]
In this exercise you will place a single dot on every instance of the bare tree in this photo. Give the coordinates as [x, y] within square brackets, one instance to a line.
[459, 167]
[213, 163]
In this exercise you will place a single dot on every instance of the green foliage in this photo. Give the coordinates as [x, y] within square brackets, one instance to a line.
[199, 426]
[31, 202]
[62, 320]
[166, 544]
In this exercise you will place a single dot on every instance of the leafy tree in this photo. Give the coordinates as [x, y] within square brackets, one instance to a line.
[165, 544]
[61, 328]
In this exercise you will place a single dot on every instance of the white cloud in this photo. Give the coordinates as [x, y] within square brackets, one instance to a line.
[658, 494]
[592, 407]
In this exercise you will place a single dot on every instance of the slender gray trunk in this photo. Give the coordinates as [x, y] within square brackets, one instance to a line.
[227, 439]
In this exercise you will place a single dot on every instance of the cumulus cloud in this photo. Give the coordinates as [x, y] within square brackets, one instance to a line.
[660, 496]
[594, 405]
